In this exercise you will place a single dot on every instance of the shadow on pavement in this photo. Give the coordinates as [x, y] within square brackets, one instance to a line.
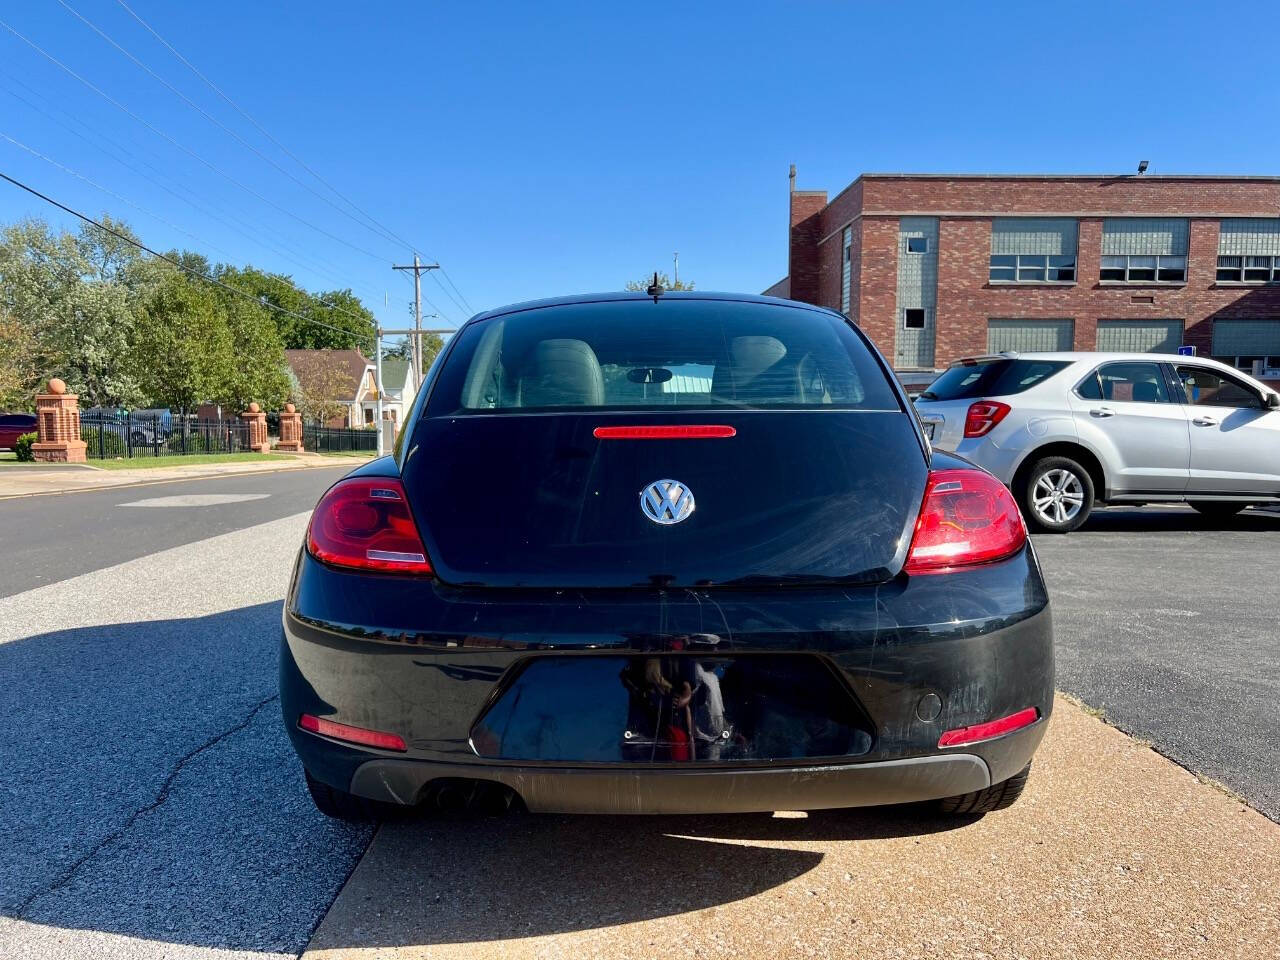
[150, 789]
[476, 880]
[1176, 520]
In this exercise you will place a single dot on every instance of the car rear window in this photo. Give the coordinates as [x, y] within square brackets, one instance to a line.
[991, 378]
[676, 353]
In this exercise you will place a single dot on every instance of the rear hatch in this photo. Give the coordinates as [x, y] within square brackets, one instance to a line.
[944, 405]
[816, 474]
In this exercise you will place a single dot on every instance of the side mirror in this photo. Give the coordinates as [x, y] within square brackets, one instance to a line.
[1271, 401]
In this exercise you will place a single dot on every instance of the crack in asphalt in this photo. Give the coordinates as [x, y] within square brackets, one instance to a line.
[161, 796]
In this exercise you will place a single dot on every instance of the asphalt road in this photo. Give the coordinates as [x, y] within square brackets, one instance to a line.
[151, 804]
[152, 807]
[1167, 622]
[49, 538]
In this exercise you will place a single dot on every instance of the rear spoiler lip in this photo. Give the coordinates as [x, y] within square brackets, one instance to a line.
[978, 358]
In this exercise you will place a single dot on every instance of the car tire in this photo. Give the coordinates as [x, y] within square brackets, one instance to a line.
[341, 805]
[1217, 509]
[1067, 479]
[998, 796]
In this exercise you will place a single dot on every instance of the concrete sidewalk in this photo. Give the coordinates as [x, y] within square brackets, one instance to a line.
[19, 481]
[1113, 851]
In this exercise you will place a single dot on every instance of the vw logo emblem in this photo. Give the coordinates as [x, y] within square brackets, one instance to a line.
[666, 501]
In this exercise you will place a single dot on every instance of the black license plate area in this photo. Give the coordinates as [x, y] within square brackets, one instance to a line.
[673, 708]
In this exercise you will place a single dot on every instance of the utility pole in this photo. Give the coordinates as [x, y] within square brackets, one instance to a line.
[675, 281]
[415, 333]
[417, 267]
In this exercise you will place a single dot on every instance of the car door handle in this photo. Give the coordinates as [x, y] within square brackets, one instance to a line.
[1205, 422]
[1102, 412]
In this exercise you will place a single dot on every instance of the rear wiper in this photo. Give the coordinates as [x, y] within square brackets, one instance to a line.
[927, 395]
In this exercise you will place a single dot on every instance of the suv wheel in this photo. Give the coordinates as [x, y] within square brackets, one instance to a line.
[1218, 509]
[1056, 495]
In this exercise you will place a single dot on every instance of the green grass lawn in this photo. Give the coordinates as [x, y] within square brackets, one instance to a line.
[368, 454]
[147, 463]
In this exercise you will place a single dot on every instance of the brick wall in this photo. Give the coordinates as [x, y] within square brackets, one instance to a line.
[966, 300]
[804, 266]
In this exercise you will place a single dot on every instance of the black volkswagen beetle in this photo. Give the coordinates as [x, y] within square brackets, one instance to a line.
[665, 553]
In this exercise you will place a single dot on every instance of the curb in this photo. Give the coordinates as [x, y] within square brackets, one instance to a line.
[180, 479]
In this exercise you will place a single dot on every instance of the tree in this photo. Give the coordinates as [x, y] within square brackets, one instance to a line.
[182, 348]
[643, 284]
[258, 369]
[339, 309]
[19, 377]
[73, 295]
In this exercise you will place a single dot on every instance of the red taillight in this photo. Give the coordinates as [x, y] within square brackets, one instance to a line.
[700, 431]
[364, 524]
[983, 417]
[967, 517]
[341, 731]
[991, 729]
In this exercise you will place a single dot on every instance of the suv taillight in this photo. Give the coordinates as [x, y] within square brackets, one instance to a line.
[983, 417]
[364, 524]
[967, 517]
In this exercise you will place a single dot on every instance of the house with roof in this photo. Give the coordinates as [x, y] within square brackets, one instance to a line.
[341, 382]
[398, 390]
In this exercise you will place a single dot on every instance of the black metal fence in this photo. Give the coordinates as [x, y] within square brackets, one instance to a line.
[109, 436]
[318, 439]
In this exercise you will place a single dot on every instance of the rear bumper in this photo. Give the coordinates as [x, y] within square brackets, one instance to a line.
[669, 791]
[430, 660]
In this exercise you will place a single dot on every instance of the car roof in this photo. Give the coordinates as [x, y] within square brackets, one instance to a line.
[1096, 356]
[625, 295]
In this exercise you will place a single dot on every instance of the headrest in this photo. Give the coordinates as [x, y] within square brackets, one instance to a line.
[562, 373]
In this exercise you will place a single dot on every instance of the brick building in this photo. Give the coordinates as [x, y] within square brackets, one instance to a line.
[936, 267]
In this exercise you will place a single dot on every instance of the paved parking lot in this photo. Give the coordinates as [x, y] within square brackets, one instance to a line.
[1166, 621]
[152, 806]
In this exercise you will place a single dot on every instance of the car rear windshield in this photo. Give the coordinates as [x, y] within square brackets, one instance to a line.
[676, 353]
[991, 378]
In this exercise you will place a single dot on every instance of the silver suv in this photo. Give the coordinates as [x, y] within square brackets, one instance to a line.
[1068, 430]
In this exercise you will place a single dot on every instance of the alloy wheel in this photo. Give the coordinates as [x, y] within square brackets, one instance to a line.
[1057, 496]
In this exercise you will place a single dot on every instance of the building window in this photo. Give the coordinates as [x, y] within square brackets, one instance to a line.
[1033, 250]
[1144, 269]
[1239, 342]
[1029, 335]
[1033, 268]
[917, 244]
[1138, 250]
[1249, 269]
[913, 319]
[846, 269]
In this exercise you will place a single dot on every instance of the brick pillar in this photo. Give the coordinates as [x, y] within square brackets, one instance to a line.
[58, 423]
[257, 421]
[290, 430]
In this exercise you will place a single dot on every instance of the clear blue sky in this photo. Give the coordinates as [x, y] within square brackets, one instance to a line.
[544, 148]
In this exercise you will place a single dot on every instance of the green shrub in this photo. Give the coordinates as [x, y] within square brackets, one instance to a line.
[23, 447]
[102, 443]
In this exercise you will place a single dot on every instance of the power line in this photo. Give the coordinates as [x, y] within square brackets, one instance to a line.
[185, 149]
[244, 113]
[263, 301]
[120, 155]
[216, 122]
[261, 129]
[167, 189]
[107, 190]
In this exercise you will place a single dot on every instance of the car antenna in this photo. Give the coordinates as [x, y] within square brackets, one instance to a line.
[655, 289]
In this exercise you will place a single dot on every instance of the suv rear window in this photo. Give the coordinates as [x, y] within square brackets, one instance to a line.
[676, 353]
[999, 377]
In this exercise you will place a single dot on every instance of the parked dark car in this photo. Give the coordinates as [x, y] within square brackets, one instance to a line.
[14, 425]
[684, 553]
